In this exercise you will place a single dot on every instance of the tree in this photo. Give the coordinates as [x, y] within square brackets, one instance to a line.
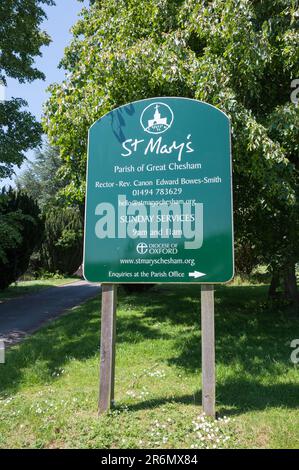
[61, 248]
[21, 229]
[40, 180]
[20, 42]
[284, 127]
[62, 244]
[237, 55]
[19, 132]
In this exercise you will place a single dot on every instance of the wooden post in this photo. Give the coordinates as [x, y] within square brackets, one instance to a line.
[107, 361]
[208, 349]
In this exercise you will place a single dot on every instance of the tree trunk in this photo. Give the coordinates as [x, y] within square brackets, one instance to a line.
[290, 284]
[274, 285]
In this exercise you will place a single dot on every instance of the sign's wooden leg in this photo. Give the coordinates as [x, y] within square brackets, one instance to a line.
[107, 362]
[208, 349]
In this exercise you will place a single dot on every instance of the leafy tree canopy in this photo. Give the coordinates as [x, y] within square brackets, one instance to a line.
[62, 243]
[238, 55]
[20, 42]
[19, 132]
[40, 180]
[21, 38]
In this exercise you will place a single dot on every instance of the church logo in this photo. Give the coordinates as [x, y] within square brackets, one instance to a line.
[156, 118]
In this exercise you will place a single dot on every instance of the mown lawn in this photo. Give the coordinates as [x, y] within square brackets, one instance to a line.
[22, 288]
[49, 384]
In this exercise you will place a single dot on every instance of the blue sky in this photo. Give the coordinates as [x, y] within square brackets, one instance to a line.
[60, 19]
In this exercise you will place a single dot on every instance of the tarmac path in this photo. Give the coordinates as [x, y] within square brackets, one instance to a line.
[23, 315]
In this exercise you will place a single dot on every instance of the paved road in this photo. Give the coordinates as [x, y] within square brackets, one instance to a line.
[21, 316]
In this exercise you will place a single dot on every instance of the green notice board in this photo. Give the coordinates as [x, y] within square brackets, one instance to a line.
[159, 194]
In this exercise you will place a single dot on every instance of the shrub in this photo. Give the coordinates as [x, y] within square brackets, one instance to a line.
[21, 230]
[61, 249]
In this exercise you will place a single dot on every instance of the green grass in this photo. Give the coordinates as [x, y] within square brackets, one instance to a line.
[22, 288]
[49, 384]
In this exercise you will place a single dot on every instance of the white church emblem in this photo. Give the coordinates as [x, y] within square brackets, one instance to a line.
[156, 118]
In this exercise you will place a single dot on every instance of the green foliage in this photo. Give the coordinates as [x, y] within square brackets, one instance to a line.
[61, 249]
[21, 37]
[237, 55]
[21, 229]
[283, 124]
[19, 132]
[40, 179]
[20, 41]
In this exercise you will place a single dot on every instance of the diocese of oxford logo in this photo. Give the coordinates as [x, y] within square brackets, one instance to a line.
[156, 118]
[142, 248]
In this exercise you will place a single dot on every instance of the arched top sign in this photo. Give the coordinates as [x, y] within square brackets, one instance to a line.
[159, 194]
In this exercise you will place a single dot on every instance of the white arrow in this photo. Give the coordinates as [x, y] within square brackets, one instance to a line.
[196, 274]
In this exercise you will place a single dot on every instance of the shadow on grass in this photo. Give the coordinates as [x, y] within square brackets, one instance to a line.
[247, 330]
[250, 337]
[72, 336]
[241, 395]
[248, 334]
[157, 402]
[235, 397]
